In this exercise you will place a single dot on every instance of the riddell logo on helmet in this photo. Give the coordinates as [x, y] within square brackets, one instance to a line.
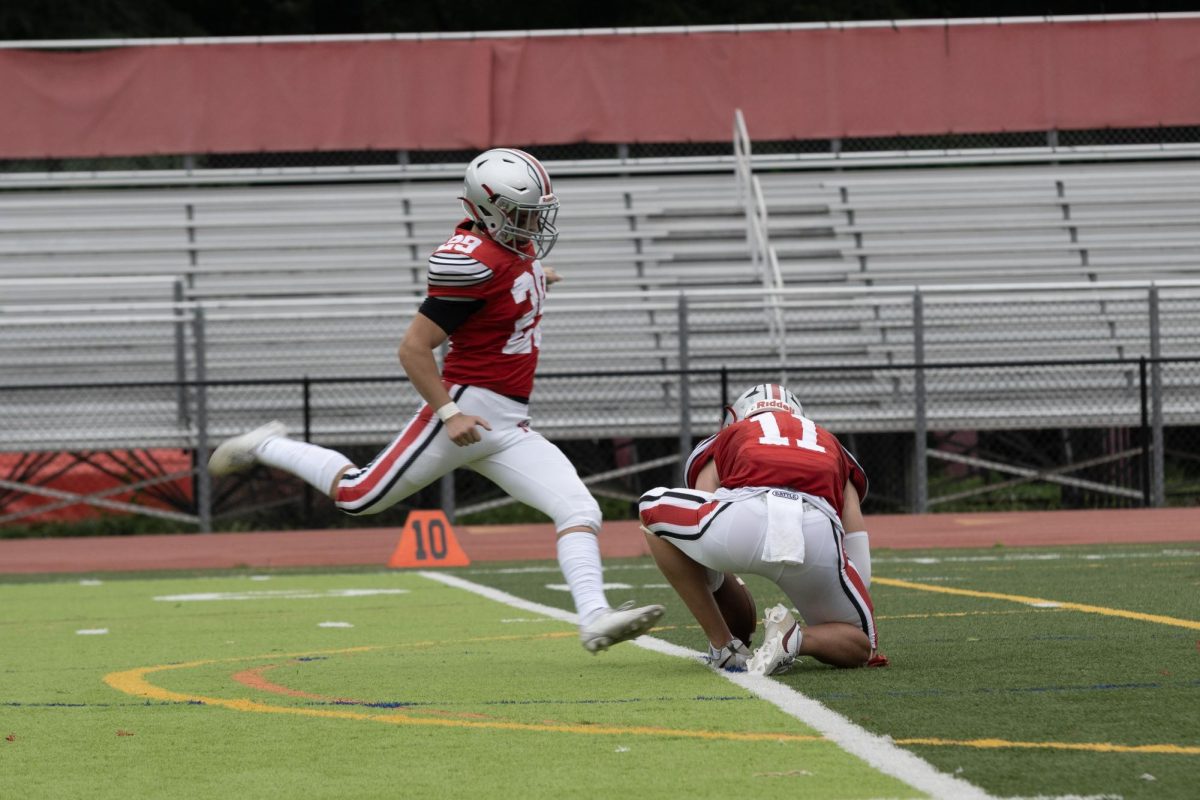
[770, 405]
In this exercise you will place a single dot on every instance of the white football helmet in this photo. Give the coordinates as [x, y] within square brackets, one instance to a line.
[757, 399]
[507, 193]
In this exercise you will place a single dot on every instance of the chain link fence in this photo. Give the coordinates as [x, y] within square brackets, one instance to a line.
[1071, 397]
[1079, 434]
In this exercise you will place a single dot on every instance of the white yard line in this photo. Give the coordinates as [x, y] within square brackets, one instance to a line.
[878, 751]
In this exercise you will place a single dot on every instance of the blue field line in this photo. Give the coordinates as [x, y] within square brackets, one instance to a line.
[1174, 552]
[20, 704]
[539, 702]
[890, 556]
[989, 690]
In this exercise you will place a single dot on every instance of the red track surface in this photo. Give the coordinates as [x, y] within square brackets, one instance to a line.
[518, 542]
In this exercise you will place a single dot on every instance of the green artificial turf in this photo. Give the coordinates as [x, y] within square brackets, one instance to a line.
[363, 685]
[435, 691]
[970, 669]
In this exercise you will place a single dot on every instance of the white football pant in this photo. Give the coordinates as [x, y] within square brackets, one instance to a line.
[727, 532]
[512, 455]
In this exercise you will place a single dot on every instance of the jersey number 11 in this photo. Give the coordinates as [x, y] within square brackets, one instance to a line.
[772, 434]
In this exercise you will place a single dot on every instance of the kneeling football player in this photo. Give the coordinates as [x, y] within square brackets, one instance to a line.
[770, 494]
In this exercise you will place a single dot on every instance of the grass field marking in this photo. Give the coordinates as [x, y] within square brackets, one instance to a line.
[951, 614]
[134, 682]
[1090, 747]
[551, 570]
[877, 751]
[274, 594]
[1039, 556]
[255, 678]
[1042, 603]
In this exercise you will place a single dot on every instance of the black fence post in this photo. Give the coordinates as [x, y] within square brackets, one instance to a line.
[201, 480]
[685, 397]
[1143, 386]
[306, 393]
[920, 488]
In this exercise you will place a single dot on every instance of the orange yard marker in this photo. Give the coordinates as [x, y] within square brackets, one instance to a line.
[428, 540]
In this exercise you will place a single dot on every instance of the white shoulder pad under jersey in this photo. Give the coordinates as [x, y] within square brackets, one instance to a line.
[450, 270]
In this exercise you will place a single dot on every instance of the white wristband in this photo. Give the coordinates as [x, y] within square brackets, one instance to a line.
[447, 411]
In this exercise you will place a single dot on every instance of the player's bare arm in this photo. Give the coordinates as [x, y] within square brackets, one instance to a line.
[689, 580]
[420, 341]
[852, 516]
[708, 480]
[552, 275]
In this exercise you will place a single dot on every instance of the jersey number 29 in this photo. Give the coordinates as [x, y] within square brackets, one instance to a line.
[527, 333]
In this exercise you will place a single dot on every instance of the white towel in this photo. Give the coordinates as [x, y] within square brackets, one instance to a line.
[785, 528]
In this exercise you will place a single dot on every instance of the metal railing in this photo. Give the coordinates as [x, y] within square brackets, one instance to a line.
[763, 258]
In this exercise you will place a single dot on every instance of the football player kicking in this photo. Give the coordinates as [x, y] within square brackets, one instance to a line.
[486, 286]
[771, 494]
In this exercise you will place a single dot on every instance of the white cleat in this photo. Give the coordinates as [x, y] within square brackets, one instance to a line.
[618, 625]
[730, 658]
[237, 454]
[780, 638]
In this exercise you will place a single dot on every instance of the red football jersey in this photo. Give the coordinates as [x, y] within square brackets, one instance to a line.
[775, 448]
[497, 347]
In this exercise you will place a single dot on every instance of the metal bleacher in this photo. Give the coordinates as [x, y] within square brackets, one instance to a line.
[240, 277]
[968, 225]
[317, 239]
[1013, 223]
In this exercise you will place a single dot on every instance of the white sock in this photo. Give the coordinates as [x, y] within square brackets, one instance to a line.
[315, 465]
[858, 548]
[579, 559]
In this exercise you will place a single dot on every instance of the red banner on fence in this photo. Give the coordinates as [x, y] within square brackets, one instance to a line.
[802, 82]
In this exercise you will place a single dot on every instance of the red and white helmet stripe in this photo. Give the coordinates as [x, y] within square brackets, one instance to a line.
[534, 165]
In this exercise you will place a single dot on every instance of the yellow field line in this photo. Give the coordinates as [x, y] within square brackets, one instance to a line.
[1091, 747]
[134, 682]
[1037, 601]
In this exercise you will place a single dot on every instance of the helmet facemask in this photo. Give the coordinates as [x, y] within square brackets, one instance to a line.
[527, 222]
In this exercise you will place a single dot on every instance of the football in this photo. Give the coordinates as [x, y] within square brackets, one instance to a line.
[737, 607]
